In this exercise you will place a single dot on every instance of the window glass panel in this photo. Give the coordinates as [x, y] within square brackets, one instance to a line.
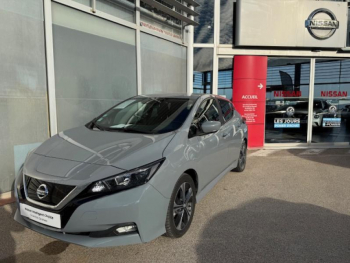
[226, 109]
[84, 2]
[204, 32]
[124, 9]
[227, 16]
[163, 66]
[225, 77]
[23, 90]
[287, 100]
[95, 65]
[160, 22]
[331, 112]
[203, 70]
[207, 111]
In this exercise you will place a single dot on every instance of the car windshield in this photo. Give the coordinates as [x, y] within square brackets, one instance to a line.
[149, 115]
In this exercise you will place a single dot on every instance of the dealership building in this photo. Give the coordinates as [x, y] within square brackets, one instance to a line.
[284, 63]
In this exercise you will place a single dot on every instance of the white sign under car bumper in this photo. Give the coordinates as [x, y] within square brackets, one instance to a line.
[41, 216]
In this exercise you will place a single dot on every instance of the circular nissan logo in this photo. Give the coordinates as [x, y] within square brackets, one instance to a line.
[333, 109]
[322, 24]
[42, 191]
[290, 111]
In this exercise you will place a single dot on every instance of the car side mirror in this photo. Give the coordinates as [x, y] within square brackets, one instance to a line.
[211, 126]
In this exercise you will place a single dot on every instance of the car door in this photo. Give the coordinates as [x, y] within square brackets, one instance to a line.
[207, 150]
[231, 130]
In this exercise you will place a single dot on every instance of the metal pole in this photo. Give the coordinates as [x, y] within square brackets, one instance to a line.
[138, 48]
[311, 101]
[50, 68]
[216, 42]
[190, 37]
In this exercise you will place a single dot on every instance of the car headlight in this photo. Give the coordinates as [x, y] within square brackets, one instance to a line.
[130, 179]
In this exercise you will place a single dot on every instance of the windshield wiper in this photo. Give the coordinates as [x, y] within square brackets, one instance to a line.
[94, 125]
[136, 131]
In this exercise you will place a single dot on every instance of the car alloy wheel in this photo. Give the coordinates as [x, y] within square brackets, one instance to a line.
[181, 207]
[242, 158]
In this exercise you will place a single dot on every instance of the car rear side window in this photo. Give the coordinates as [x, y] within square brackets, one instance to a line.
[226, 109]
[207, 111]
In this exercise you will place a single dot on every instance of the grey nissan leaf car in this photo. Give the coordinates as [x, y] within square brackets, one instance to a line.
[133, 173]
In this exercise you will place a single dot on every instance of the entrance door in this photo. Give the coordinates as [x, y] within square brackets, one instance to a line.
[331, 107]
[287, 100]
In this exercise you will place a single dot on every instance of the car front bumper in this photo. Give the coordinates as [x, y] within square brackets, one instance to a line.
[142, 205]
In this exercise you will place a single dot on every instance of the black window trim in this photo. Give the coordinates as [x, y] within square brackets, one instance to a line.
[233, 108]
[219, 110]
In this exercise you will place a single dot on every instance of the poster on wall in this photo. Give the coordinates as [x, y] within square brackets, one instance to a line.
[287, 123]
[331, 122]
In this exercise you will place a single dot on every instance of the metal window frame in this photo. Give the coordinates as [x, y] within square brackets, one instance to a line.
[311, 101]
[138, 49]
[190, 54]
[50, 68]
[216, 42]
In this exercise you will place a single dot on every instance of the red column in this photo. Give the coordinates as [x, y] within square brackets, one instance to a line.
[249, 95]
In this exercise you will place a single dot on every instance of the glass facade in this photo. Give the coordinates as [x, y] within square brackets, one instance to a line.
[227, 18]
[302, 106]
[288, 113]
[331, 101]
[23, 90]
[204, 33]
[95, 65]
[160, 22]
[164, 66]
[83, 2]
[124, 9]
[225, 77]
[203, 70]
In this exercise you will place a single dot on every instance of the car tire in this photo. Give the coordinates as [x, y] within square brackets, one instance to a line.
[181, 210]
[242, 161]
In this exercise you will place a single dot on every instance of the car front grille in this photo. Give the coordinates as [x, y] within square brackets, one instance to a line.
[56, 192]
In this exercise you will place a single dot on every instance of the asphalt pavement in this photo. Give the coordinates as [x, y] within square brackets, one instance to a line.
[288, 206]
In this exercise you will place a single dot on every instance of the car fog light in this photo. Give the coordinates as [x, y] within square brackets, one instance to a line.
[126, 229]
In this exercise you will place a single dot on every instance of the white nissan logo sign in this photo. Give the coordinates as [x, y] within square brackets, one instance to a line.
[322, 24]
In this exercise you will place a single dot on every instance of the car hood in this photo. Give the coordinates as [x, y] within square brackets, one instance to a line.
[121, 150]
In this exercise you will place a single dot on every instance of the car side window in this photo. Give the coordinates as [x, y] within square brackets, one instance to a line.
[226, 109]
[207, 111]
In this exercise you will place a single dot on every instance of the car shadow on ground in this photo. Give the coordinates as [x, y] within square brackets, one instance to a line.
[8, 244]
[271, 230]
[334, 157]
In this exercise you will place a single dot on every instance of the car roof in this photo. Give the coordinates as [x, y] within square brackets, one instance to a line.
[181, 95]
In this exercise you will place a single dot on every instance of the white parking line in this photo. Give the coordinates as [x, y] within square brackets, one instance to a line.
[263, 153]
[312, 152]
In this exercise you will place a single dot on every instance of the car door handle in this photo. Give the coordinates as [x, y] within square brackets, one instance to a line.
[225, 135]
